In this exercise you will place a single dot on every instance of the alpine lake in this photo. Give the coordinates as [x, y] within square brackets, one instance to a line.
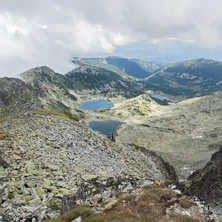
[104, 127]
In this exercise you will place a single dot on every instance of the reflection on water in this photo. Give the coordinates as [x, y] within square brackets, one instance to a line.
[157, 96]
[106, 127]
[94, 104]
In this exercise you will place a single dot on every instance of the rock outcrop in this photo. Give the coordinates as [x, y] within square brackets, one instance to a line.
[207, 182]
[17, 97]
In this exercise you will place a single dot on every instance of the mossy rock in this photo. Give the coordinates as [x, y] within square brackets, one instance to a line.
[41, 192]
[3, 135]
[4, 161]
[64, 191]
[53, 167]
[89, 177]
[111, 205]
[54, 190]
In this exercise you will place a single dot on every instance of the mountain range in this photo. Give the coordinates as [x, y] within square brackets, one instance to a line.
[185, 79]
[192, 78]
[133, 68]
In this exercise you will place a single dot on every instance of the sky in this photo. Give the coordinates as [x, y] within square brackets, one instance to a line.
[51, 32]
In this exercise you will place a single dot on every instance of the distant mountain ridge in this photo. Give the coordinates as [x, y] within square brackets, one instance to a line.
[100, 80]
[81, 79]
[191, 78]
[197, 77]
[149, 66]
[130, 67]
[133, 68]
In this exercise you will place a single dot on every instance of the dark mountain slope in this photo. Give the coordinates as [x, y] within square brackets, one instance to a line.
[85, 79]
[130, 67]
[97, 80]
[207, 182]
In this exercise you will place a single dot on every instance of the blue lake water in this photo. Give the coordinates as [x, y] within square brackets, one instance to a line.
[96, 104]
[106, 127]
[157, 96]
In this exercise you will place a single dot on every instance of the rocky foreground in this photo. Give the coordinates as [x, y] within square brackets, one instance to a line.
[50, 163]
[46, 159]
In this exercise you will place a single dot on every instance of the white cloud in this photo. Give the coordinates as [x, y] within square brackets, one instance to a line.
[44, 27]
[50, 32]
[210, 37]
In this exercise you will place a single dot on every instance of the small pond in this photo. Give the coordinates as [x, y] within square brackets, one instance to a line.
[94, 104]
[106, 127]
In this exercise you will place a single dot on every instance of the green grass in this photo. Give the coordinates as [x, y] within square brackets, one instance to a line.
[149, 205]
[82, 210]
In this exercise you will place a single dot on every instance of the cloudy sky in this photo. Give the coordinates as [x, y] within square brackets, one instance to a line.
[49, 32]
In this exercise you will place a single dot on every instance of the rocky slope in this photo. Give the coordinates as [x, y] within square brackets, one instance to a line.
[206, 183]
[16, 97]
[47, 158]
[41, 87]
[184, 134]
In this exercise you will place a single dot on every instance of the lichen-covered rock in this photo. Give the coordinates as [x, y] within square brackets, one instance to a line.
[111, 204]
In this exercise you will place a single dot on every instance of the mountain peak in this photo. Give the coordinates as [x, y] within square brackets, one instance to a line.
[37, 73]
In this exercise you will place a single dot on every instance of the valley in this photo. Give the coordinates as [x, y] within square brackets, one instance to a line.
[183, 134]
